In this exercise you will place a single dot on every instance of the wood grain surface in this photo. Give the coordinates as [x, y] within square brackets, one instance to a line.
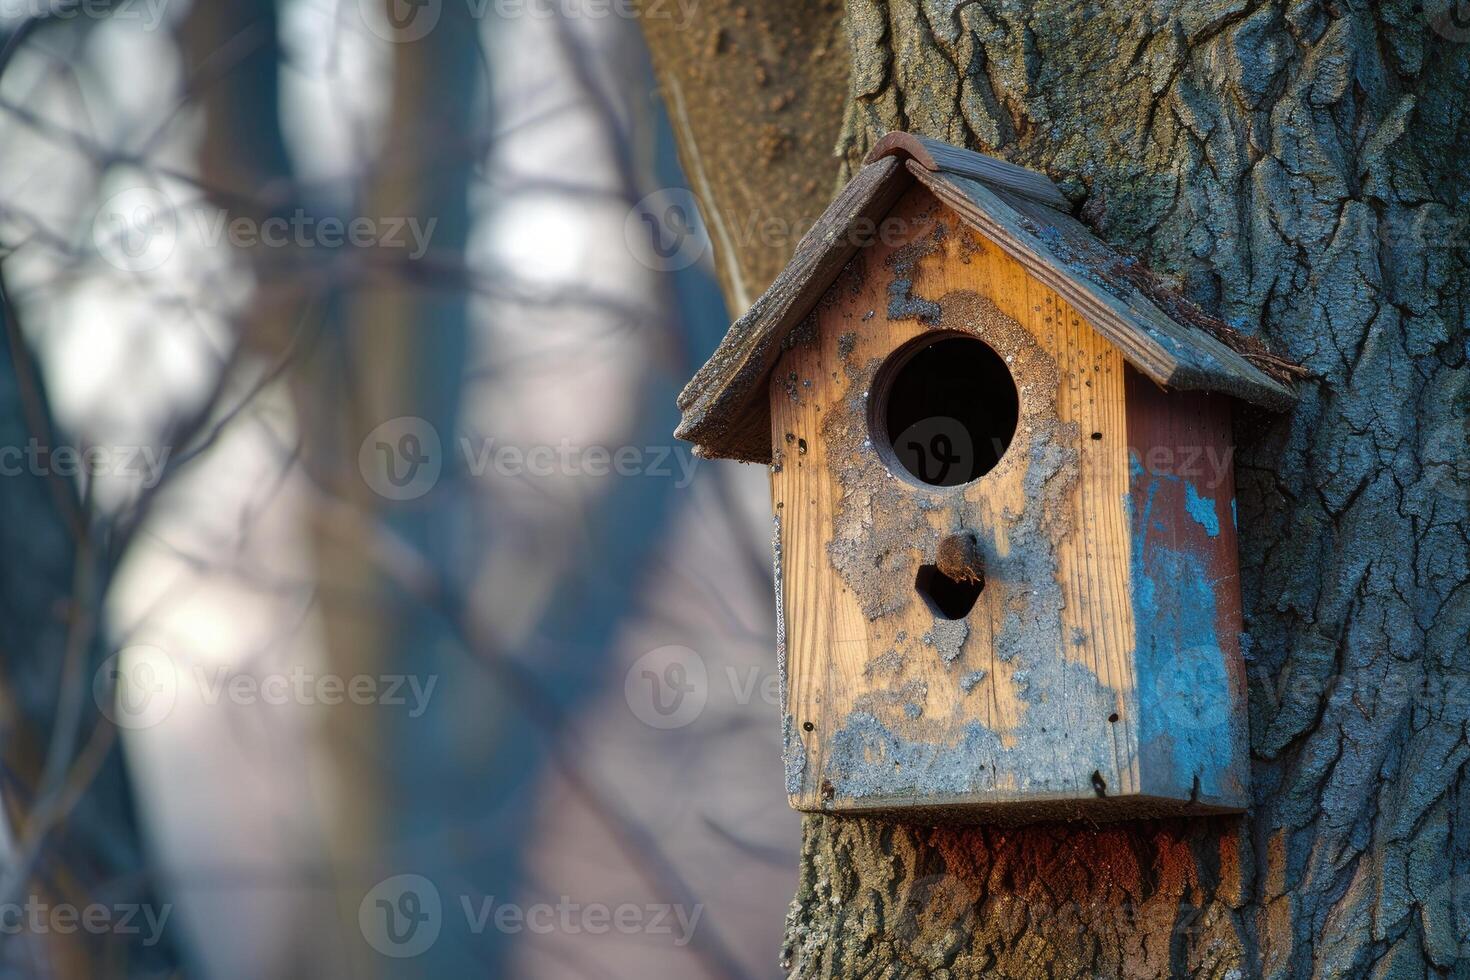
[1029, 706]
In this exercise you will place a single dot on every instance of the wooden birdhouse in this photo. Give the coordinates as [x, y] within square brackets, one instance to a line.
[1005, 526]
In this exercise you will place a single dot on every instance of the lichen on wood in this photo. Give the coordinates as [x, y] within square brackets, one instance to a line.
[885, 525]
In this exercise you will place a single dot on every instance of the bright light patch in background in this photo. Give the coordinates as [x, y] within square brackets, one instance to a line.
[122, 294]
[541, 240]
[334, 91]
[147, 103]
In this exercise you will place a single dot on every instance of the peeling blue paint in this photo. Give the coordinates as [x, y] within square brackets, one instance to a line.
[793, 749]
[1202, 509]
[888, 664]
[869, 760]
[948, 637]
[903, 305]
[793, 755]
[780, 606]
[1063, 735]
[1187, 730]
[875, 751]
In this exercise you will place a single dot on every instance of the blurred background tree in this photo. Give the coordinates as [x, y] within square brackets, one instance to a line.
[433, 458]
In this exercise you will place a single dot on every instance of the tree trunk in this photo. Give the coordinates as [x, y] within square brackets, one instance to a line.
[72, 835]
[1299, 167]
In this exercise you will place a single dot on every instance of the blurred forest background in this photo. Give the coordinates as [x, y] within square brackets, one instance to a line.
[361, 615]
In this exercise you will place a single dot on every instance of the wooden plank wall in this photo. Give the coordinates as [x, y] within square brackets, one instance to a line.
[1186, 587]
[877, 717]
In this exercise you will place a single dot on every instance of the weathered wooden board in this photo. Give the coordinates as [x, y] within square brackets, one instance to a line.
[1060, 251]
[1184, 567]
[724, 404]
[1030, 706]
[725, 413]
[936, 155]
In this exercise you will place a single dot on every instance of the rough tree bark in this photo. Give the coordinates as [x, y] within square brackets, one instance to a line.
[1298, 166]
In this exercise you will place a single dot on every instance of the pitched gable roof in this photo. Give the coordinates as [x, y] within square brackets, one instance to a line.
[726, 409]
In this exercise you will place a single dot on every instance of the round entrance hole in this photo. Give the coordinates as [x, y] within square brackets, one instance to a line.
[946, 410]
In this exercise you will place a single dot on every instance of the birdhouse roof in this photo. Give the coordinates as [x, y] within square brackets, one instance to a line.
[726, 408]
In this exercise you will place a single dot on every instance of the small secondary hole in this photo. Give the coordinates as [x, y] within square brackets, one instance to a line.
[1113, 717]
[945, 597]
